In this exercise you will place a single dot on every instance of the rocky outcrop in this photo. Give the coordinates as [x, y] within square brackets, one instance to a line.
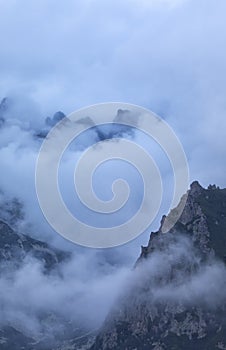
[176, 300]
[14, 247]
[3, 108]
[57, 117]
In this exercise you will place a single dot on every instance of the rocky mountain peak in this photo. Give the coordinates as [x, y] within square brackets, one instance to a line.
[4, 104]
[192, 222]
[3, 108]
[195, 189]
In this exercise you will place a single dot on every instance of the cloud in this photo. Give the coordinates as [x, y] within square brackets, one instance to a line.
[64, 56]
[168, 56]
[89, 287]
[31, 299]
[177, 273]
[19, 149]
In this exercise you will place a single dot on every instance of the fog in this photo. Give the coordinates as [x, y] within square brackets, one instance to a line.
[178, 275]
[78, 295]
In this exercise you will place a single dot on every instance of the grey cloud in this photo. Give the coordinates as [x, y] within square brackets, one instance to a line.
[31, 300]
[176, 273]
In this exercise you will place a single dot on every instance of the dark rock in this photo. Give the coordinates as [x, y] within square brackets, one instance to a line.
[57, 117]
[14, 247]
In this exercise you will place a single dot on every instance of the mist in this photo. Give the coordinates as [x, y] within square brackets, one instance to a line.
[176, 274]
[44, 306]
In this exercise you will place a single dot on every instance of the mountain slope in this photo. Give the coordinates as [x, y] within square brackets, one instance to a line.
[18, 253]
[177, 299]
[14, 247]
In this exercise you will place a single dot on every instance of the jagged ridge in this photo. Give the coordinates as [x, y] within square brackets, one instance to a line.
[142, 323]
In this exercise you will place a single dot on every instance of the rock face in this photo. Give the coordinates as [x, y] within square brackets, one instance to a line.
[14, 247]
[177, 299]
[3, 108]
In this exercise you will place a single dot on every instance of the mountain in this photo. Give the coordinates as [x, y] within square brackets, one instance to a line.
[15, 250]
[177, 299]
[49, 123]
[15, 247]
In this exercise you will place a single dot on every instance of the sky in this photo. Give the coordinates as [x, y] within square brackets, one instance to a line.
[168, 56]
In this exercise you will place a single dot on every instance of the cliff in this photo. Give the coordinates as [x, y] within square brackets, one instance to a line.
[177, 297]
